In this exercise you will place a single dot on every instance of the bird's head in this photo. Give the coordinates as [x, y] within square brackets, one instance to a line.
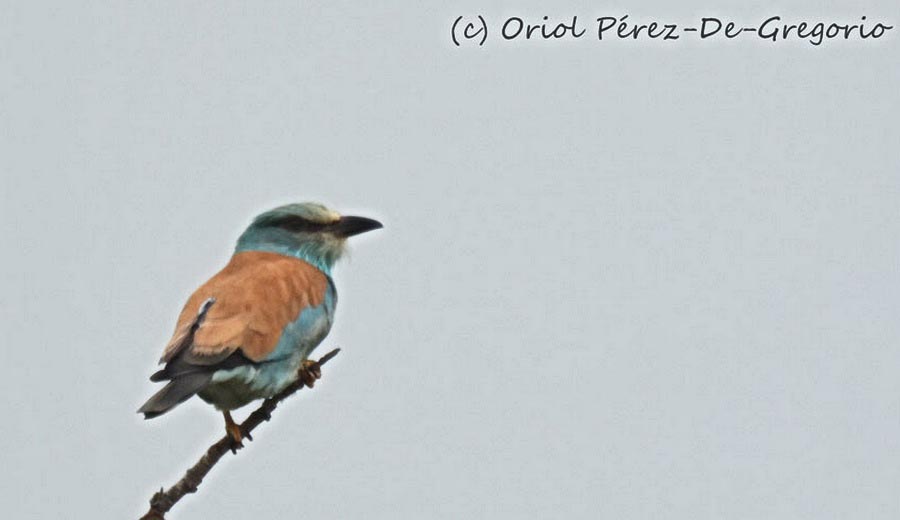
[308, 231]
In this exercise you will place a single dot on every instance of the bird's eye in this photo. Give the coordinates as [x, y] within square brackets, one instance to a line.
[296, 224]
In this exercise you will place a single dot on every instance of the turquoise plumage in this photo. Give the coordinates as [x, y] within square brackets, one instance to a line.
[247, 332]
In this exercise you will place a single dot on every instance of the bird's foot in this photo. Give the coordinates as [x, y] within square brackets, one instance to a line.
[234, 432]
[310, 371]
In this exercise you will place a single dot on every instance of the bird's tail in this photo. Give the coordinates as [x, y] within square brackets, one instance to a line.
[174, 393]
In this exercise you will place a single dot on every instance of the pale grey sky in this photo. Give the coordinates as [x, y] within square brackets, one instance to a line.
[625, 281]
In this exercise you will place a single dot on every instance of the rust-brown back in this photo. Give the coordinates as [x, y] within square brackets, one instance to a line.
[256, 295]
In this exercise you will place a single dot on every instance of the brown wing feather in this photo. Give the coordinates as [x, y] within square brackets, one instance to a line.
[256, 295]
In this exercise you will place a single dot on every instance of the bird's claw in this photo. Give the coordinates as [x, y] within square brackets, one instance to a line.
[310, 372]
[233, 430]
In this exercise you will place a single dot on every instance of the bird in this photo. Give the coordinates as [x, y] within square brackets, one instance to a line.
[247, 332]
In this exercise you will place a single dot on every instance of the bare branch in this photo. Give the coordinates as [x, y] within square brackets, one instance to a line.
[164, 500]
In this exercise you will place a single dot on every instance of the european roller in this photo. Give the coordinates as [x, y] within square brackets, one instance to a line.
[247, 332]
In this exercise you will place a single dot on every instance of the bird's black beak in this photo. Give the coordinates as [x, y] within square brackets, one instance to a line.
[350, 226]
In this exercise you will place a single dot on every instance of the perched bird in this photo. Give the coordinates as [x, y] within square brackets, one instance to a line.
[246, 333]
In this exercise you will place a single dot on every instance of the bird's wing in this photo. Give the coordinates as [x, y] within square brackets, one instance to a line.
[244, 308]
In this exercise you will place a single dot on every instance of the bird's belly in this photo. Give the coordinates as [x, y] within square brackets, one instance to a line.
[230, 389]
